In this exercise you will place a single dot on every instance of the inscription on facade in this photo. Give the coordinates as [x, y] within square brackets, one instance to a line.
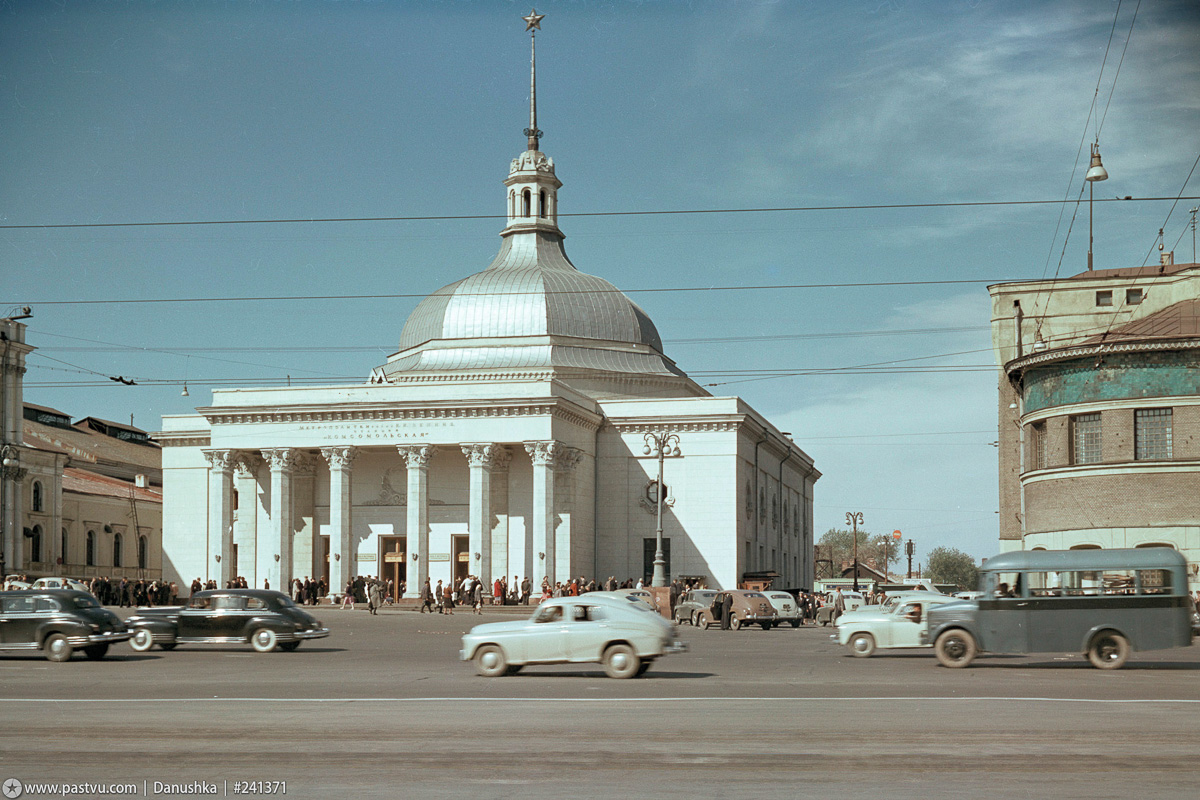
[378, 431]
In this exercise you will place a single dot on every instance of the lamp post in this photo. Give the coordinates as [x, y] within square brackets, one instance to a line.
[1096, 172]
[854, 519]
[910, 549]
[10, 473]
[660, 444]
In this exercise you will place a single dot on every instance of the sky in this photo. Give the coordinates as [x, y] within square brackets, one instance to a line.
[219, 112]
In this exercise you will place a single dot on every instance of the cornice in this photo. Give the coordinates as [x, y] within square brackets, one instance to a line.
[555, 407]
[1104, 469]
[183, 439]
[1101, 349]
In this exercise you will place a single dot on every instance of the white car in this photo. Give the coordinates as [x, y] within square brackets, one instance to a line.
[872, 627]
[623, 635]
[786, 609]
[60, 583]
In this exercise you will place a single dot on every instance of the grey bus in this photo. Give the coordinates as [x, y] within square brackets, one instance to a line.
[1103, 603]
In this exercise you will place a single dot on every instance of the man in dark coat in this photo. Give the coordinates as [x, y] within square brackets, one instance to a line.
[726, 610]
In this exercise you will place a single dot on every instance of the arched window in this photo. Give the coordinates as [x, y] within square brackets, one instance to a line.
[90, 558]
[116, 549]
[37, 495]
[1156, 544]
[542, 203]
[1080, 547]
[63, 551]
[35, 544]
[525, 203]
[512, 204]
[143, 552]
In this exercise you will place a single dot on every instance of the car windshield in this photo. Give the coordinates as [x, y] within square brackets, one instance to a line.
[548, 614]
[85, 602]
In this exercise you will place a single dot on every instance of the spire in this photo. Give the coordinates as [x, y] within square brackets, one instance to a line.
[533, 24]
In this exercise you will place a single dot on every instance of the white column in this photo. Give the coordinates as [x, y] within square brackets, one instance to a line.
[245, 528]
[220, 515]
[417, 458]
[279, 549]
[546, 457]
[482, 459]
[341, 555]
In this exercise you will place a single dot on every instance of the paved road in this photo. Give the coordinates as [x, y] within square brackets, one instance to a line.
[383, 709]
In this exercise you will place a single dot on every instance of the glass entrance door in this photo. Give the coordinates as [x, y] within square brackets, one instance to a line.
[394, 565]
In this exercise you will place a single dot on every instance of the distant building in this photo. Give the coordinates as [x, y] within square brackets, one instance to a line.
[1099, 409]
[81, 499]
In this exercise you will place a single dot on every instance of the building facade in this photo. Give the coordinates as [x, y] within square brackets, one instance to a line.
[1099, 409]
[80, 499]
[509, 435]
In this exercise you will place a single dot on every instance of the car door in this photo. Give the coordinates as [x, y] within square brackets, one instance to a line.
[196, 620]
[228, 618]
[907, 623]
[545, 638]
[586, 628]
[18, 622]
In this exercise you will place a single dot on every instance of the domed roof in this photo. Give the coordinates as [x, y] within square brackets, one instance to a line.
[530, 289]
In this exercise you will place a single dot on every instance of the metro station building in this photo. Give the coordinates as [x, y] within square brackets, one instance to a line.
[506, 436]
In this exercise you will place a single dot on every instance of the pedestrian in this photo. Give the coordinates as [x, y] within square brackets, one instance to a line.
[348, 597]
[726, 611]
[441, 598]
[478, 597]
[426, 598]
[448, 598]
[374, 596]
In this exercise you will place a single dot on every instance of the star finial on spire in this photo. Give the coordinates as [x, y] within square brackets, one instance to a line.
[534, 20]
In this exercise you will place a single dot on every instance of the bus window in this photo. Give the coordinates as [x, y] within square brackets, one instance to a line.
[1117, 581]
[1155, 581]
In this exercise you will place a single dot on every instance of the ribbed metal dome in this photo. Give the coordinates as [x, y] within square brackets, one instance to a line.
[530, 289]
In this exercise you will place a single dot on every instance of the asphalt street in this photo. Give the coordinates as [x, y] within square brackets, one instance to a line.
[383, 708]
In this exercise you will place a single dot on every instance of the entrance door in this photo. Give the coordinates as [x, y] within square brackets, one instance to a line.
[324, 566]
[460, 554]
[394, 565]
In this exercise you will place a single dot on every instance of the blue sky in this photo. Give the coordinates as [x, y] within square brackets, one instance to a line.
[176, 111]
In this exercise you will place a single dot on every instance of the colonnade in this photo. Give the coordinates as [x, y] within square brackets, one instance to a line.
[273, 549]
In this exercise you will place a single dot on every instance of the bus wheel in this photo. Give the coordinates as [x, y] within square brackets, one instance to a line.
[955, 648]
[1108, 650]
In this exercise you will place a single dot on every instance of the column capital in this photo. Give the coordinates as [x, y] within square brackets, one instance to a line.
[221, 460]
[305, 465]
[340, 457]
[553, 454]
[246, 464]
[281, 459]
[417, 456]
[488, 456]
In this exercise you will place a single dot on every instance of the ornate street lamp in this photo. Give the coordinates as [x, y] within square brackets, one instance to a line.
[854, 519]
[660, 444]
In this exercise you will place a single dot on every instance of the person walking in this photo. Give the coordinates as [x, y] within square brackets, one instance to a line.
[839, 604]
[478, 597]
[374, 596]
[440, 597]
[447, 598]
[426, 597]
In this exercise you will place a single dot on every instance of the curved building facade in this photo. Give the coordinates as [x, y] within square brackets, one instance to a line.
[1100, 410]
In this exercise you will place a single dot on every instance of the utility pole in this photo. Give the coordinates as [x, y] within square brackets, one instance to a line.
[910, 549]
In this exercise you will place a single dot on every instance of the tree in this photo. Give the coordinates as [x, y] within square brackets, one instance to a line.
[947, 565]
[837, 545]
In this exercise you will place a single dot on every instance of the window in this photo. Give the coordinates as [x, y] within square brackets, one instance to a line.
[91, 549]
[525, 203]
[1085, 438]
[64, 551]
[1155, 581]
[1104, 298]
[143, 551]
[1037, 445]
[37, 496]
[1133, 296]
[35, 544]
[116, 550]
[542, 203]
[549, 614]
[1152, 433]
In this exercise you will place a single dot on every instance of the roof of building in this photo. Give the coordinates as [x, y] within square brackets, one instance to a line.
[1178, 321]
[1148, 271]
[88, 447]
[82, 481]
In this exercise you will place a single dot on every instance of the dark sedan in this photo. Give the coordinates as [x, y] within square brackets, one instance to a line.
[264, 619]
[57, 622]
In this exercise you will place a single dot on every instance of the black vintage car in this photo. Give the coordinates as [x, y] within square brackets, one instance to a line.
[263, 618]
[57, 622]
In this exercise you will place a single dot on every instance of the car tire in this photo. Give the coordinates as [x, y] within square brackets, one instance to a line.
[766, 626]
[620, 661]
[289, 647]
[490, 661]
[57, 648]
[1108, 650]
[735, 623]
[96, 652]
[167, 646]
[142, 640]
[698, 621]
[862, 645]
[955, 648]
[795, 623]
[645, 665]
[263, 640]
